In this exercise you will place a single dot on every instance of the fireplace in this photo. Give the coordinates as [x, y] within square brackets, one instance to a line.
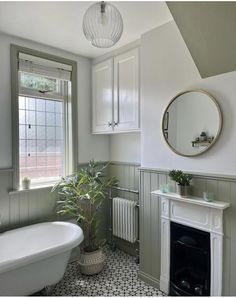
[202, 232]
[189, 261]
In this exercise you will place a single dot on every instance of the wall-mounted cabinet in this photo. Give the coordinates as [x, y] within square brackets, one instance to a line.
[115, 90]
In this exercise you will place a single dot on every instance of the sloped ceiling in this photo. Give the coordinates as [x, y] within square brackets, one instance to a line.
[209, 31]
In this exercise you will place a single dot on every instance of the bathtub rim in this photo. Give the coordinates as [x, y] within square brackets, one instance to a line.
[12, 264]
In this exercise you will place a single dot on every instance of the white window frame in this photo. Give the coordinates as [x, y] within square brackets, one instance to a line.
[70, 113]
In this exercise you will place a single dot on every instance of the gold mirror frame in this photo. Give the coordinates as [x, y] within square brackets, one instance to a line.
[217, 134]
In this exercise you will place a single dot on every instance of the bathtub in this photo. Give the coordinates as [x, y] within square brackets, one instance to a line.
[35, 256]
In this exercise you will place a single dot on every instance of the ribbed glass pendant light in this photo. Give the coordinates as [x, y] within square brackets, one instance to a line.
[102, 24]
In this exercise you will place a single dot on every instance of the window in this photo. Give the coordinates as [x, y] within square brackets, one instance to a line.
[44, 147]
[41, 140]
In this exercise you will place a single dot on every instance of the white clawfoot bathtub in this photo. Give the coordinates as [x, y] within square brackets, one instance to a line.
[35, 256]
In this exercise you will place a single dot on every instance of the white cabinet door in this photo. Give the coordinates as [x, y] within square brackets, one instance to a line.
[102, 89]
[126, 91]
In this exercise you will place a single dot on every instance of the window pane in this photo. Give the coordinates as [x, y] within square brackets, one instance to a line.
[41, 132]
[22, 116]
[59, 146]
[58, 107]
[21, 102]
[51, 133]
[31, 161]
[22, 133]
[41, 146]
[41, 138]
[50, 106]
[59, 119]
[22, 147]
[59, 135]
[50, 119]
[51, 146]
[31, 132]
[30, 103]
[41, 119]
[31, 147]
[30, 117]
[40, 104]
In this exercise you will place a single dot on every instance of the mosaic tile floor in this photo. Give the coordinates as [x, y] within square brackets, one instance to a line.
[118, 278]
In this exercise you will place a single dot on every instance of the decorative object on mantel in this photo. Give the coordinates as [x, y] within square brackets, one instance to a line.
[26, 182]
[203, 140]
[102, 24]
[208, 196]
[165, 188]
[183, 182]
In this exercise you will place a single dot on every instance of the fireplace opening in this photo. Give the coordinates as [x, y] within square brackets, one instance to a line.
[190, 261]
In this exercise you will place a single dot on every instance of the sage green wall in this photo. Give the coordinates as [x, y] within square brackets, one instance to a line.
[26, 207]
[208, 29]
[225, 190]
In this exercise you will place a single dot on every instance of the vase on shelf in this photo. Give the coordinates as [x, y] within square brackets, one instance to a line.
[183, 190]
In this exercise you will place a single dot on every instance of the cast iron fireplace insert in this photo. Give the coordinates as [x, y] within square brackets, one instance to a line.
[190, 261]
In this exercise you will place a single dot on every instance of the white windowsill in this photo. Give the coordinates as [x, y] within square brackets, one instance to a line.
[32, 188]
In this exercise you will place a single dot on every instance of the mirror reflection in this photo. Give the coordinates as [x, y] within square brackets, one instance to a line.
[191, 123]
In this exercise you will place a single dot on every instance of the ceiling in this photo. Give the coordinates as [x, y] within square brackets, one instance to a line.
[59, 24]
[208, 29]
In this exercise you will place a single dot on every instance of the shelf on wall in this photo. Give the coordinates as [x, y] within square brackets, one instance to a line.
[201, 143]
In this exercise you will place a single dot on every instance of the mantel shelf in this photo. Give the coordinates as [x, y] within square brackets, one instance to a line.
[192, 200]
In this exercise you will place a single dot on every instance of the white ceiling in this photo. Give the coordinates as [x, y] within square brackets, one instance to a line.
[59, 24]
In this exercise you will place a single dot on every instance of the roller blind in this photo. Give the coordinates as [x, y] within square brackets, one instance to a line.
[44, 67]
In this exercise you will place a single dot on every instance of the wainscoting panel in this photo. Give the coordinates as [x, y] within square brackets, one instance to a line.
[225, 190]
[26, 207]
[128, 176]
[5, 184]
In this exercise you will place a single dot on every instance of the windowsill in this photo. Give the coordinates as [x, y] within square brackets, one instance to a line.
[32, 188]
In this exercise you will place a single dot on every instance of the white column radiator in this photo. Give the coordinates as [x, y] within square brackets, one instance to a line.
[125, 219]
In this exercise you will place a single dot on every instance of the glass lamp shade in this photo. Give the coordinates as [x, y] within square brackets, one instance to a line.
[102, 25]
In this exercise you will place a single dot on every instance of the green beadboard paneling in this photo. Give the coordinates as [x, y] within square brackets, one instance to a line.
[223, 188]
[24, 208]
[35, 206]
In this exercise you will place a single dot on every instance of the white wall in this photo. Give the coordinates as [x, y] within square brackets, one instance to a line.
[89, 146]
[166, 69]
[125, 147]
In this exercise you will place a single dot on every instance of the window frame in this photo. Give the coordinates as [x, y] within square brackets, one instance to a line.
[72, 132]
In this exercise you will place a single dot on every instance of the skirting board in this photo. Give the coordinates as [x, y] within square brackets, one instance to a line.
[149, 279]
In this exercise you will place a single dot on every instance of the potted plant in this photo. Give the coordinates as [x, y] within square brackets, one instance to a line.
[82, 195]
[183, 182]
[25, 182]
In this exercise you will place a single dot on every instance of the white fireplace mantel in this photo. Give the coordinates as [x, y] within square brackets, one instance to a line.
[199, 214]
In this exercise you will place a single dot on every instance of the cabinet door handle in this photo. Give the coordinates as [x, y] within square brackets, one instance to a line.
[116, 123]
[109, 124]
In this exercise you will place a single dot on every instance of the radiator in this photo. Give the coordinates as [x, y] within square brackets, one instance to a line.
[125, 219]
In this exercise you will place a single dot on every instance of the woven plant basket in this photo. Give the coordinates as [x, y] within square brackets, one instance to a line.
[91, 263]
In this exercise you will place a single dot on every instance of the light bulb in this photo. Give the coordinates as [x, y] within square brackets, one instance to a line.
[103, 19]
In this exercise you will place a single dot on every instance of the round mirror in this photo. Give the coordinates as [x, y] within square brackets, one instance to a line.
[191, 122]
